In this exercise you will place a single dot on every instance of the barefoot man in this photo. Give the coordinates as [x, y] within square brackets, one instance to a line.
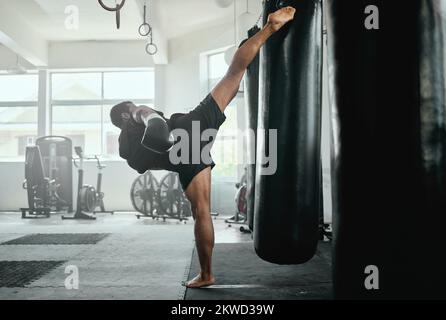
[147, 143]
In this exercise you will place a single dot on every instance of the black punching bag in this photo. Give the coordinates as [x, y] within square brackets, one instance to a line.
[389, 133]
[252, 103]
[287, 198]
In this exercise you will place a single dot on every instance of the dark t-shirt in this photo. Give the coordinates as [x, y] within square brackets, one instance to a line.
[207, 114]
[138, 157]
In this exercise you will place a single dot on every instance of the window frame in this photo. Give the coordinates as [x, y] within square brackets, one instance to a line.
[21, 104]
[102, 102]
[205, 81]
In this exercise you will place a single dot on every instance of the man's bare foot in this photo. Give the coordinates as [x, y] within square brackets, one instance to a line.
[200, 281]
[279, 18]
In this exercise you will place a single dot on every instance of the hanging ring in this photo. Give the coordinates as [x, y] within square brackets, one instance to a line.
[118, 19]
[117, 8]
[145, 29]
[151, 49]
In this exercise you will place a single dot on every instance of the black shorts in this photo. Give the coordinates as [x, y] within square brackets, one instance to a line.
[209, 116]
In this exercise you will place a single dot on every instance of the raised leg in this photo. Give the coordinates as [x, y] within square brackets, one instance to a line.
[227, 88]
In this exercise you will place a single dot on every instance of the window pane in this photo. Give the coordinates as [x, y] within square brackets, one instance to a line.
[18, 128]
[82, 124]
[18, 87]
[129, 85]
[224, 151]
[110, 135]
[76, 86]
[217, 66]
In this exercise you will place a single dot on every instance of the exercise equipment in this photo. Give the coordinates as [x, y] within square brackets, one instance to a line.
[87, 197]
[387, 93]
[42, 192]
[151, 48]
[144, 195]
[116, 9]
[56, 152]
[159, 200]
[252, 105]
[94, 196]
[240, 199]
[172, 199]
[286, 216]
[145, 28]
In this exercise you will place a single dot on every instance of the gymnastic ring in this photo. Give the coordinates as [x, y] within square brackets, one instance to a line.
[141, 28]
[117, 8]
[152, 46]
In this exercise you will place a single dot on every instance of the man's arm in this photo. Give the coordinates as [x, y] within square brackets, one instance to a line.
[227, 88]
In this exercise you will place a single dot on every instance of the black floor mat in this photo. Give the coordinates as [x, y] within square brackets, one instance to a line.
[58, 238]
[242, 275]
[16, 274]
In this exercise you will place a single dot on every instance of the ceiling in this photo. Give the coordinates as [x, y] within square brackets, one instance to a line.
[171, 17]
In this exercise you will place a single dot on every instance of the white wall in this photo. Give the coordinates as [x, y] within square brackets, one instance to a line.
[98, 54]
[182, 83]
[87, 54]
[12, 195]
[8, 59]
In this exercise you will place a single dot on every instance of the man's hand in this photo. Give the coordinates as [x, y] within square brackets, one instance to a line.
[157, 136]
[279, 18]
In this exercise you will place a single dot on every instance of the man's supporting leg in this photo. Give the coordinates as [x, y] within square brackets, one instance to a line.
[227, 88]
[198, 192]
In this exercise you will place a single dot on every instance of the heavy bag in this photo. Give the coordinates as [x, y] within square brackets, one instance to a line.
[252, 106]
[386, 62]
[287, 201]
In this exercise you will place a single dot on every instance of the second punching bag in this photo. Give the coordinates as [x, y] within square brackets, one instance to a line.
[387, 72]
[287, 197]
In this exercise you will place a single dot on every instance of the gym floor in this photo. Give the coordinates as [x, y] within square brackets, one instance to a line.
[120, 257]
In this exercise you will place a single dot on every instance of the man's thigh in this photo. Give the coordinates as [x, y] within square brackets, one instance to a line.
[199, 190]
[207, 113]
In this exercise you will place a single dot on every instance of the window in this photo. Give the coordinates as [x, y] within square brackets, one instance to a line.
[82, 124]
[81, 104]
[18, 113]
[217, 68]
[224, 150]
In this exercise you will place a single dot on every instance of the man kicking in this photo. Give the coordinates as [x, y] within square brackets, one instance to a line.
[147, 143]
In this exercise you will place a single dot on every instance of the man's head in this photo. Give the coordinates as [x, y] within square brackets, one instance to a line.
[121, 112]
